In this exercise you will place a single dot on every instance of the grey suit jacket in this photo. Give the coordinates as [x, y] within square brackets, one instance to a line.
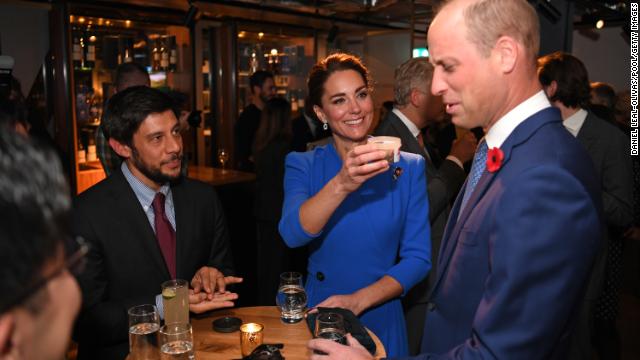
[608, 149]
[443, 185]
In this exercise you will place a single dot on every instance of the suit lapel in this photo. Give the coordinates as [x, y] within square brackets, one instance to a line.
[409, 142]
[183, 230]
[127, 205]
[455, 223]
[587, 134]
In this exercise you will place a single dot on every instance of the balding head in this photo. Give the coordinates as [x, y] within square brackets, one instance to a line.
[484, 53]
[487, 20]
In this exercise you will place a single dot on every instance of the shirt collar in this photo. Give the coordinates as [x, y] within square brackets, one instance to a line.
[408, 123]
[501, 130]
[574, 122]
[144, 193]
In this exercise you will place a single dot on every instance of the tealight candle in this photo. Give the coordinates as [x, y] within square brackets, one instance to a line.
[250, 337]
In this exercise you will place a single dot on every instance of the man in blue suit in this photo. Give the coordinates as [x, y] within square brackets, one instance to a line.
[523, 232]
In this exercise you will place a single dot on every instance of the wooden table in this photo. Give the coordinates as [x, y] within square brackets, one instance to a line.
[212, 345]
[216, 176]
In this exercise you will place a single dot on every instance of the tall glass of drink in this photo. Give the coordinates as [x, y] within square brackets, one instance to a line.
[291, 298]
[144, 323]
[175, 300]
[176, 342]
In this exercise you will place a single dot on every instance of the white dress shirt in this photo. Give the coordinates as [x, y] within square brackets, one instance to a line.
[574, 122]
[415, 131]
[501, 130]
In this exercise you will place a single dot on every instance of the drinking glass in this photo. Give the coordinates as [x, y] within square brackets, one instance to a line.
[250, 337]
[144, 323]
[330, 326]
[223, 157]
[176, 342]
[390, 144]
[175, 300]
[291, 298]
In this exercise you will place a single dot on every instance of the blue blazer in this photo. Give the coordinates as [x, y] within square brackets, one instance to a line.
[514, 265]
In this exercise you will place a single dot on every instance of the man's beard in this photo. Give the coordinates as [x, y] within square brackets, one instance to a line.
[154, 174]
[265, 98]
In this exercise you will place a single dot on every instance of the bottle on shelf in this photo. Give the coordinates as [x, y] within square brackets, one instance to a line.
[164, 54]
[128, 49]
[77, 52]
[90, 54]
[253, 63]
[82, 155]
[300, 100]
[155, 65]
[173, 55]
[91, 151]
[294, 102]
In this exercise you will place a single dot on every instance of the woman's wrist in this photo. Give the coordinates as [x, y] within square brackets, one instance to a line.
[338, 186]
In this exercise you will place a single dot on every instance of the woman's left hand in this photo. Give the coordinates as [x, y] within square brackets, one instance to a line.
[351, 302]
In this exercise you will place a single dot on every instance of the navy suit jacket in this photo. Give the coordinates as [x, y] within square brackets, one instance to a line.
[514, 265]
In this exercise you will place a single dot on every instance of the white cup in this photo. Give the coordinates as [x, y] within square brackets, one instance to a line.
[390, 143]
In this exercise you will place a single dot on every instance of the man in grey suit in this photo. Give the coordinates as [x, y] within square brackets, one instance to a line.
[415, 108]
[566, 83]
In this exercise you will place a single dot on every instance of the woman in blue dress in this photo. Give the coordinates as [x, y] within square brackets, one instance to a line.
[365, 220]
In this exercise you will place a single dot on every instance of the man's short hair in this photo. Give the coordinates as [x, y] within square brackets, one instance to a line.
[488, 20]
[603, 94]
[35, 205]
[258, 78]
[571, 76]
[127, 109]
[131, 74]
[411, 74]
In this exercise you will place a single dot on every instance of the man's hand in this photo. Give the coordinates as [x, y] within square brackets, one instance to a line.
[354, 351]
[210, 280]
[200, 302]
[465, 147]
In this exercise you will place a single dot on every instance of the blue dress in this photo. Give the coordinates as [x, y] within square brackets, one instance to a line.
[380, 229]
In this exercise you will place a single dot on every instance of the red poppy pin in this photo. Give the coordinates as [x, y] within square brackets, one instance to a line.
[494, 159]
[397, 172]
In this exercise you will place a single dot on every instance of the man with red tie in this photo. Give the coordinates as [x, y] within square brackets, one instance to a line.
[146, 224]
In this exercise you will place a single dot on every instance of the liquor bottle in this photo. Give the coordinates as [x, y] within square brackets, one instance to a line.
[90, 46]
[155, 65]
[173, 55]
[77, 52]
[127, 49]
[164, 54]
[294, 102]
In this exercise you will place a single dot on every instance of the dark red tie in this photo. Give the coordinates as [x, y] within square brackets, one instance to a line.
[165, 234]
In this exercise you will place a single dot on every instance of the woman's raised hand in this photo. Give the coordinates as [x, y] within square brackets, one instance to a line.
[360, 164]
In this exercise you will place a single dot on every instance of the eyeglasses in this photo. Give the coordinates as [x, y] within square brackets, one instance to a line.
[75, 261]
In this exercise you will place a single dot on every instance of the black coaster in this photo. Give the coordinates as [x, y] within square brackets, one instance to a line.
[226, 324]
